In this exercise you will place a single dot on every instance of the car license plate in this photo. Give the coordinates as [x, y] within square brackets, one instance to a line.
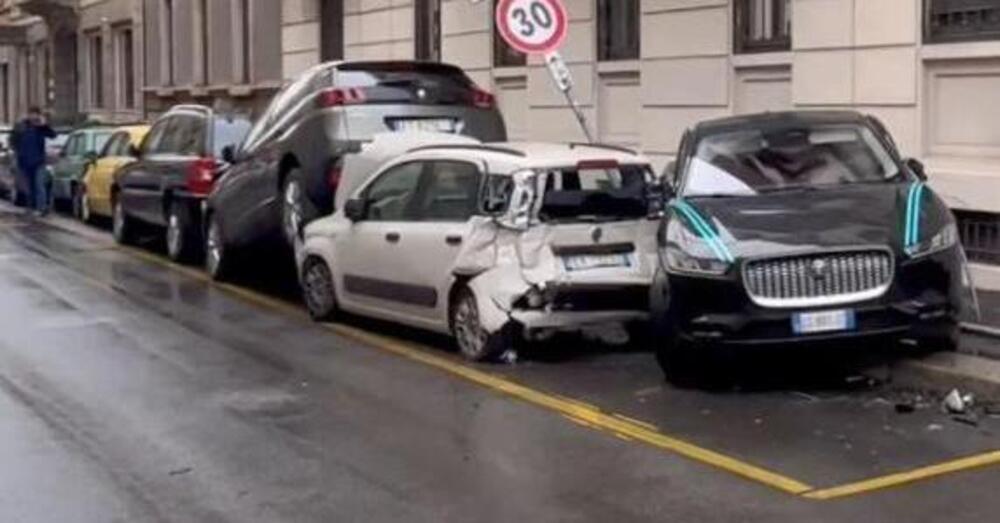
[825, 321]
[596, 261]
[427, 125]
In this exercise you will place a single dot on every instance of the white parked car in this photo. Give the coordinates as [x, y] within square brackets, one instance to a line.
[489, 242]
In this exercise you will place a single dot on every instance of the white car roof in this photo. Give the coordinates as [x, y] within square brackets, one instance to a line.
[508, 157]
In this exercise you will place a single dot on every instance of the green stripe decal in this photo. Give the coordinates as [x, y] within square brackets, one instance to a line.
[704, 230]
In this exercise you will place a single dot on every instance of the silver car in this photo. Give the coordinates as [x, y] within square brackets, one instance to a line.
[490, 243]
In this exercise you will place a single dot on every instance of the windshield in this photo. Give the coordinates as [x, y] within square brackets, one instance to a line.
[594, 194]
[754, 161]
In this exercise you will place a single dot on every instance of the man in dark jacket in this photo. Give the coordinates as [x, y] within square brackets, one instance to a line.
[28, 142]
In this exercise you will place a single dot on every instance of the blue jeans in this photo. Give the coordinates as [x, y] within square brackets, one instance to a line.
[36, 181]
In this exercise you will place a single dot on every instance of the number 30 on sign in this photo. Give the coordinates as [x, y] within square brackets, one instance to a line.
[532, 26]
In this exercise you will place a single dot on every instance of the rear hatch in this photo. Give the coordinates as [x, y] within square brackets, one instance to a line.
[380, 97]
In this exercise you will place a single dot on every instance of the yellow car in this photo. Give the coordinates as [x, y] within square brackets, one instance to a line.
[95, 199]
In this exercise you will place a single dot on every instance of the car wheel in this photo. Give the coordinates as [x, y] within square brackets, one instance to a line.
[473, 341]
[180, 244]
[122, 227]
[216, 251]
[318, 289]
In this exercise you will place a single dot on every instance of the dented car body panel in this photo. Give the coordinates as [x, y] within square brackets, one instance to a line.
[540, 269]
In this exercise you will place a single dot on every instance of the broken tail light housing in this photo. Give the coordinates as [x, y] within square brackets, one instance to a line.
[339, 97]
[201, 176]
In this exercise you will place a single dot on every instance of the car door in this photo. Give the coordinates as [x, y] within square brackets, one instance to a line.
[140, 182]
[368, 253]
[99, 177]
[443, 207]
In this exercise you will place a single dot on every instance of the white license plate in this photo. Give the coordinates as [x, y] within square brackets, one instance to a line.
[427, 125]
[825, 321]
[596, 261]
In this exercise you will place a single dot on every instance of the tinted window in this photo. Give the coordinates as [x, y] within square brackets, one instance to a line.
[389, 198]
[155, 140]
[186, 136]
[228, 132]
[595, 194]
[407, 83]
[751, 161]
[449, 192]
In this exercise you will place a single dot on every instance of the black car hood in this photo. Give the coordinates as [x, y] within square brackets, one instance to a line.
[796, 221]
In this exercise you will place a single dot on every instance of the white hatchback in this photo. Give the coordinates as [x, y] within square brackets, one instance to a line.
[490, 242]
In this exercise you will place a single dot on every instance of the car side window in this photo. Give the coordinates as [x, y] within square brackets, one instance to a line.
[449, 192]
[389, 198]
[186, 137]
[100, 139]
[113, 147]
[74, 146]
[154, 142]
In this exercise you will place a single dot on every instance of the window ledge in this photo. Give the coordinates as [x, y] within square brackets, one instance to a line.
[961, 50]
[619, 67]
[783, 58]
[510, 72]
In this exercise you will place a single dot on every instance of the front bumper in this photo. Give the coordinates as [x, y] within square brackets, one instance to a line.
[923, 302]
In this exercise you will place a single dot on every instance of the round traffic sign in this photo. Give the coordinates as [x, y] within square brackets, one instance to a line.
[532, 26]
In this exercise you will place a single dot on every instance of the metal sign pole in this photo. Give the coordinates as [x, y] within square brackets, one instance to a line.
[564, 82]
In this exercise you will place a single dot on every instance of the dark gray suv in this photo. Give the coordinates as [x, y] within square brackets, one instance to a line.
[286, 172]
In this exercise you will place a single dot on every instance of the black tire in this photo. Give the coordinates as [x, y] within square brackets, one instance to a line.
[182, 245]
[679, 362]
[123, 228]
[217, 262]
[473, 341]
[297, 210]
[318, 289]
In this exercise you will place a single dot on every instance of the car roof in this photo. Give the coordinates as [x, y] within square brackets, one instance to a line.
[507, 157]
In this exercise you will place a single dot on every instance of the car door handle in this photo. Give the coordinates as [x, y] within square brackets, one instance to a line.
[392, 237]
[453, 240]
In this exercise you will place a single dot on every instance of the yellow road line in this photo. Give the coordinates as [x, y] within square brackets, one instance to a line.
[901, 478]
[592, 417]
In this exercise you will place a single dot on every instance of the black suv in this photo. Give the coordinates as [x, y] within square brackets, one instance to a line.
[178, 163]
[287, 170]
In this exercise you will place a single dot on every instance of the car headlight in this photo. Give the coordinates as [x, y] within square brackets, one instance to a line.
[946, 238]
[679, 261]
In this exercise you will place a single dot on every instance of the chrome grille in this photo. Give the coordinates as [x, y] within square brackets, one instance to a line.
[819, 279]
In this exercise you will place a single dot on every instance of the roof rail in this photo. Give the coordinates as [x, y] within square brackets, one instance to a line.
[190, 107]
[471, 147]
[573, 145]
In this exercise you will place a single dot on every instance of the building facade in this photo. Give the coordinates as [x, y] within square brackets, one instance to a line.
[109, 63]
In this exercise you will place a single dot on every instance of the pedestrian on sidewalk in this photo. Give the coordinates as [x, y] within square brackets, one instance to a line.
[28, 143]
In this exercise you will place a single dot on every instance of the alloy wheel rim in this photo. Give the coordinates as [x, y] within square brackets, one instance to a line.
[293, 210]
[214, 247]
[173, 235]
[118, 220]
[84, 207]
[468, 332]
[318, 289]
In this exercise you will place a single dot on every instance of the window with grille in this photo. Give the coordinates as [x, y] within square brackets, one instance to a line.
[95, 54]
[980, 234]
[503, 54]
[762, 25]
[961, 20]
[618, 30]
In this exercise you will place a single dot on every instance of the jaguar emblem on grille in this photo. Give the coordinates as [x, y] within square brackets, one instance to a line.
[819, 269]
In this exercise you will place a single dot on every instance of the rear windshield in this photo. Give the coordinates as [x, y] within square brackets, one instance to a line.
[598, 194]
[228, 132]
[407, 83]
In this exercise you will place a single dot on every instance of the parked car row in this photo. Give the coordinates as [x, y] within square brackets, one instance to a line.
[396, 188]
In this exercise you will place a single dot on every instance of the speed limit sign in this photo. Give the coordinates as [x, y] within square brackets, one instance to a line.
[532, 26]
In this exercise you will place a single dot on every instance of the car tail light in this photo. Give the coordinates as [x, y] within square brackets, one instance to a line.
[338, 97]
[483, 99]
[597, 164]
[333, 177]
[201, 176]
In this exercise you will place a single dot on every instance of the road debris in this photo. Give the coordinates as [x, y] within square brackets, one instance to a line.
[509, 357]
[957, 403]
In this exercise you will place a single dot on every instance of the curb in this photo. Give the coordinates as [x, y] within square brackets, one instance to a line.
[982, 330]
[945, 371]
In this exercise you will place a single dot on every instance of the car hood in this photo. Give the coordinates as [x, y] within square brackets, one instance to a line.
[796, 221]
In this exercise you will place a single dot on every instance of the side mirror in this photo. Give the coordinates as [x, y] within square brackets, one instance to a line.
[229, 154]
[917, 168]
[354, 209]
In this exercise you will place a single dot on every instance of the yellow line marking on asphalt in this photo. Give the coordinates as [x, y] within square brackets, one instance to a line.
[590, 416]
[901, 478]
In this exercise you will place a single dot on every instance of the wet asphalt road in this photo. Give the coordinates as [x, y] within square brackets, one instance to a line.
[132, 391]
